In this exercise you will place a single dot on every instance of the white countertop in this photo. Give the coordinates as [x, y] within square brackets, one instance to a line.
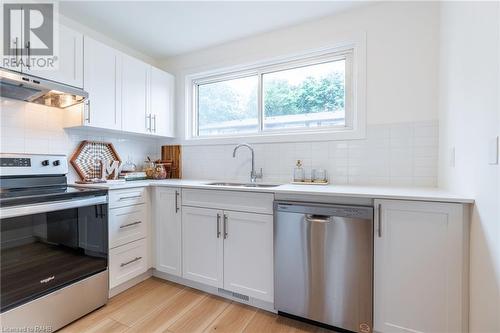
[353, 191]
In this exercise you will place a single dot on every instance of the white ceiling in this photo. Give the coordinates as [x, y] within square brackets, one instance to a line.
[161, 29]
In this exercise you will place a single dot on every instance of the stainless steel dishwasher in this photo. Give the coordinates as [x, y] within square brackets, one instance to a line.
[323, 259]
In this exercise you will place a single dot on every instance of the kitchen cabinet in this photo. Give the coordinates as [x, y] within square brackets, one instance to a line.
[167, 210]
[161, 105]
[228, 249]
[129, 240]
[248, 254]
[68, 67]
[125, 93]
[69, 60]
[202, 247]
[102, 80]
[420, 267]
[127, 261]
[135, 86]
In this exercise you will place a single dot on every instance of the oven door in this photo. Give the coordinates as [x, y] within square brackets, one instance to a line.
[47, 246]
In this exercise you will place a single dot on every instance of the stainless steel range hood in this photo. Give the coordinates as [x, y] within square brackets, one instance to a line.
[36, 90]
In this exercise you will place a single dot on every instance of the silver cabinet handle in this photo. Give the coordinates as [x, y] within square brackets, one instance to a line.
[28, 46]
[379, 222]
[154, 123]
[218, 225]
[17, 50]
[225, 226]
[130, 224]
[123, 264]
[148, 122]
[176, 201]
[130, 197]
[87, 111]
[317, 218]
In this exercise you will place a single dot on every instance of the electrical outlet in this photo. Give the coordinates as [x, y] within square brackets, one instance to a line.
[493, 151]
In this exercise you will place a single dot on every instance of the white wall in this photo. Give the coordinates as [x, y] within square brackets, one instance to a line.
[402, 60]
[469, 117]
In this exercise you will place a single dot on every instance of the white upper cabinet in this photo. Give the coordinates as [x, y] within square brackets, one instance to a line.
[420, 268]
[161, 104]
[125, 93]
[69, 65]
[102, 75]
[167, 210]
[135, 85]
[69, 61]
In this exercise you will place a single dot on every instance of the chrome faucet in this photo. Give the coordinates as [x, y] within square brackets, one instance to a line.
[253, 174]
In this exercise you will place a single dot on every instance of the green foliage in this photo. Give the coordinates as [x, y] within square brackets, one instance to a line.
[220, 102]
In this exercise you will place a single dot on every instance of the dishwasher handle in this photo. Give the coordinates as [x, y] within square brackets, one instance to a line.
[317, 218]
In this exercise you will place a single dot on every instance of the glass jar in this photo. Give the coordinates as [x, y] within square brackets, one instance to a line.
[149, 168]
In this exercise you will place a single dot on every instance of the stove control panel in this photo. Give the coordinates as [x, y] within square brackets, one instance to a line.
[15, 162]
[32, 164]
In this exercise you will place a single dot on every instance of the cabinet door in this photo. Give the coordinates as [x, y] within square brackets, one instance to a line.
[162, 102]
[69, 60]
[101, 81]
[248, 254]
[168, 230]
[202, 245]
[419, 267]
[135, 77]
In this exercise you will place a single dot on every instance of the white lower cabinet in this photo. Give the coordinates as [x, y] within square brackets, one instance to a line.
[167, 210]
[202, 247]
[229, 249]
[127, 261]
[129, 244]
[420, 267]
[248, 254]
[127, 224]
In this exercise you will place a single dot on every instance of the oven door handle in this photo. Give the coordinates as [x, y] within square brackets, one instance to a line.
[7, 212]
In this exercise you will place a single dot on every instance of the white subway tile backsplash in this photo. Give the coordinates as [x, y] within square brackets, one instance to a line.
[33, 128]
[394, 154]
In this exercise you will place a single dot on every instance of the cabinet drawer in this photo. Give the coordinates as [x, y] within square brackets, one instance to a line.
[229, 200]
[127, 261]
[127, 197]
[127, 224]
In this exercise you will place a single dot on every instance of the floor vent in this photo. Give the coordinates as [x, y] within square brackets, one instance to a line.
[235, 295]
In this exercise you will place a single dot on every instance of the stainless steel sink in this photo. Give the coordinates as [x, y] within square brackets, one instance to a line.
[243, 185]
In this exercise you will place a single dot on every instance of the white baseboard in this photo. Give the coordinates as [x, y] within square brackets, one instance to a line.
[130, 283]
[268, 306]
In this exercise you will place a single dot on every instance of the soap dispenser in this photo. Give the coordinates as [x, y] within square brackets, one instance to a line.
[298, 172]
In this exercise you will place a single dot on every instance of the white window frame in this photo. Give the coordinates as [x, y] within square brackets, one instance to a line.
[353, 50]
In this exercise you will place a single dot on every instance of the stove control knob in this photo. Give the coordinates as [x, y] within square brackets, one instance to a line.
[45, 162]
[56, 163]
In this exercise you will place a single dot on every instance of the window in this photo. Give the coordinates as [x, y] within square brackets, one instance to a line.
[303, 96]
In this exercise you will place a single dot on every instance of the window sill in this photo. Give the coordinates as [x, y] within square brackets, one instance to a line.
[308, 136]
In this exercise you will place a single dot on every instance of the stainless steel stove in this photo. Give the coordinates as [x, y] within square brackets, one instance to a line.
[53, 245]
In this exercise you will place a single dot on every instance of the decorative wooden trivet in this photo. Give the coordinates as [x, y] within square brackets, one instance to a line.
[87, 159]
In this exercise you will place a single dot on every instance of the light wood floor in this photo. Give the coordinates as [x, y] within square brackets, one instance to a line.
[160, 306]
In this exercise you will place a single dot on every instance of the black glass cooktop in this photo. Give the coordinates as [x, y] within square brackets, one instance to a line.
[22, 196]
